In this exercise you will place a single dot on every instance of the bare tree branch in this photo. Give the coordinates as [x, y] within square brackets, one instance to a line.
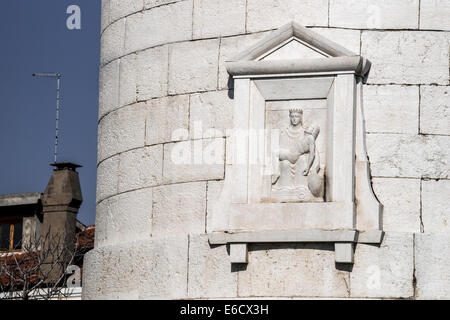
[38, 270]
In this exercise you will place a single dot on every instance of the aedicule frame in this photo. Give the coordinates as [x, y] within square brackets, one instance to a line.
[350, 213]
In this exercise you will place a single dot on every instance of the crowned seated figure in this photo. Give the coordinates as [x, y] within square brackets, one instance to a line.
[297, 164]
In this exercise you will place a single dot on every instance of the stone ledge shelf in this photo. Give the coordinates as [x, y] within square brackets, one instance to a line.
[344, 240]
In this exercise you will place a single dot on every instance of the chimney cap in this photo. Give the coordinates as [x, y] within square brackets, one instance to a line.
[65, 166]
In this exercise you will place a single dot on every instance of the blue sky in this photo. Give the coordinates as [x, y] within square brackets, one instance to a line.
[34, 38]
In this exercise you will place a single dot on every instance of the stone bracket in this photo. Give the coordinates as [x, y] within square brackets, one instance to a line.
[344, 240]
[238, 252]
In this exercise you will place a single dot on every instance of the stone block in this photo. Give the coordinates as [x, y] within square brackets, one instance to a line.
[391, 109]
[217, 18]
[152, 73]
[179, 208]
[165, 275]
[127, 85]
[435, 110]
[193, 66]
[167, 119]
[385, 271]
[409, 156]
[107, 178]
[194, 160]
[211, 114]
[436, 206]
[432, 259]
[108, 265]
[213, 190]
[434, 14]
[349, 39]
[155, 269]
[123, 8]
[148, 4]
[108, 98]
[160, 25]
[271, 14]
[229, 47]
[124, 218]
[292, 270]
[401, 203]
[121, 130]
[238, 253]
[140, 168]
[416, 57]
[106, 16]
[210, 273]
[368, 14]
[112, 42]
[344, 252]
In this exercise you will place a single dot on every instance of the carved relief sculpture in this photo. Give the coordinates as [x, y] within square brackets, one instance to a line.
[297, 176]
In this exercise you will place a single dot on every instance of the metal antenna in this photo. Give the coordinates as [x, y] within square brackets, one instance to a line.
[58, 79]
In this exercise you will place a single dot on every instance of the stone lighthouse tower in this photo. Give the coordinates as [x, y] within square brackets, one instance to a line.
[272, 148]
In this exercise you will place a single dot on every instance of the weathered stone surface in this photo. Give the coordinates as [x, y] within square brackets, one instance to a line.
[107, 178]
[152, 72]
[292, 270]
[409, 156]
[239, 253]
[108, 99]
[179, 208]
[129, 263]
[435, 110]
[432, 259]
[160, 25]
[401, 203]
[211, 114]
[416, 57]
[216, 18]
[124, 218]
[214, 188]
[112, 42]
[349, 39]
[434, 14]
[229, 47]
[391, 109]
[140, 168]
[105, 275]
[209, 270]
[122, 8]
[436, 206]
[148, 4]
[344, 252]
[193, 66]
[154, 268]
[165, 116]
[271, 14]
[165, 275]
[105, 20]
[368, 14]
[194, 160]
[127, 85]
[385, 271]
[121, 130]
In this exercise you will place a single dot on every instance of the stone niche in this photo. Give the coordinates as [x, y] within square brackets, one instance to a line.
[297, 168]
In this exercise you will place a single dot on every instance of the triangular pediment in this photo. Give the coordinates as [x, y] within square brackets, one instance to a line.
[293, 41]
[294, 49]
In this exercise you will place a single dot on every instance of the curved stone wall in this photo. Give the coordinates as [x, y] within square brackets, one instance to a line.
[162, 68]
